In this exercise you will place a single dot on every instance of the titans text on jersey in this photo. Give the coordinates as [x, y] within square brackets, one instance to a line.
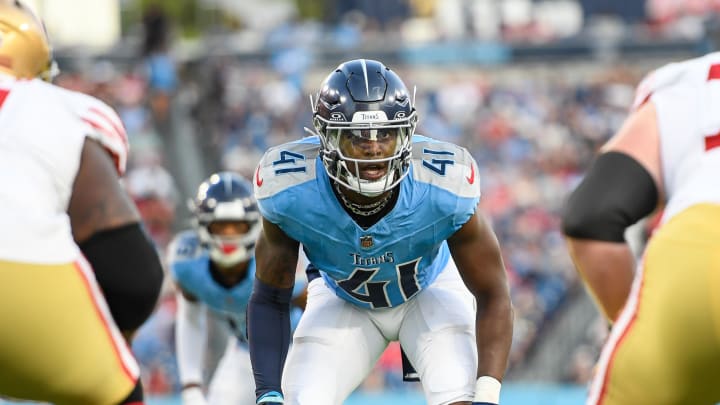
[389, 262]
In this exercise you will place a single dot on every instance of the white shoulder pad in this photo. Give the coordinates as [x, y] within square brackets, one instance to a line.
[445, 165]
[285, 166]
[689, 72]
[103, 125]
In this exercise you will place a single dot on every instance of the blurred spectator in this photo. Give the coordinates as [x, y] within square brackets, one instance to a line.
[156, 26]
[159, 65]
[153, 190]
[381, 15]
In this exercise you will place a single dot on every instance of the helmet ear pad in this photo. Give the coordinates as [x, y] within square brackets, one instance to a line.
[25, 50]
[229, 250]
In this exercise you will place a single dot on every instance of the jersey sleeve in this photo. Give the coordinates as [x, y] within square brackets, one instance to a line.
[183, 248]
[680, 90]
[692, 72]
[281, 169]
[655, 81]
[104, 126]
[451, 176]
[469, 194]
[446, 166]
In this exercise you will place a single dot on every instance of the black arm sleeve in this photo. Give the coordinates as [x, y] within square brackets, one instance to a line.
[617, 191]
[268, 328]
[128, 269]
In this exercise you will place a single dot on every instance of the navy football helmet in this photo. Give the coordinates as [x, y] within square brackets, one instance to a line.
[364, 101]
[226, 197]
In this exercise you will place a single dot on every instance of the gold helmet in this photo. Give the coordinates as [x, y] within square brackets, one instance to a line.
[24, 47]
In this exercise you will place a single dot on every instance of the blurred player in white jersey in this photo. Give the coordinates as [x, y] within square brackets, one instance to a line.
[390, 220]
[664, 347]
[214, 269]
[64, 218]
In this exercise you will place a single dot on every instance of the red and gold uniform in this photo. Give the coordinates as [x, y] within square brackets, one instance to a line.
[58, 341]
[665, 346]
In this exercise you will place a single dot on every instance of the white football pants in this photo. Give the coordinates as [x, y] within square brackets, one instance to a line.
[337, 343]
[232, 382]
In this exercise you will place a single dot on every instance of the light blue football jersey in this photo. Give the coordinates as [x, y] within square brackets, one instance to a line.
[388, 263]
[190, 267]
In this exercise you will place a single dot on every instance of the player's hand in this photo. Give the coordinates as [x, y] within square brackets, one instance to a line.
[193, 396]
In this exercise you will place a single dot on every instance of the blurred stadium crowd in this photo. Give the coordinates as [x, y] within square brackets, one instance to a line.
[532, 129]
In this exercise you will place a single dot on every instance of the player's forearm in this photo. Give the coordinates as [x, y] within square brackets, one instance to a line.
[494, 328]
[607, 269]
[190, 340]
[268, 319]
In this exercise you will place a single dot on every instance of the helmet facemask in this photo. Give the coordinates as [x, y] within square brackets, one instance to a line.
[392, 136]
[365, 119]
[229, 249]
[226, 218]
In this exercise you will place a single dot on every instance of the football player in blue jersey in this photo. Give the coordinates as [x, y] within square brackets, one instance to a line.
[214, 269]
[391, 222]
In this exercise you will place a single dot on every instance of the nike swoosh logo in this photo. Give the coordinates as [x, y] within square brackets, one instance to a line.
[258, 180]
[471, 178]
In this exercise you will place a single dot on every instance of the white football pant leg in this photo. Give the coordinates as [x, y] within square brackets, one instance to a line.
[334, 348]
[233, 383]
[219, 336]
[438, 336]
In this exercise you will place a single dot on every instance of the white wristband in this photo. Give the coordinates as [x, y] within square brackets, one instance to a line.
[487, 389]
